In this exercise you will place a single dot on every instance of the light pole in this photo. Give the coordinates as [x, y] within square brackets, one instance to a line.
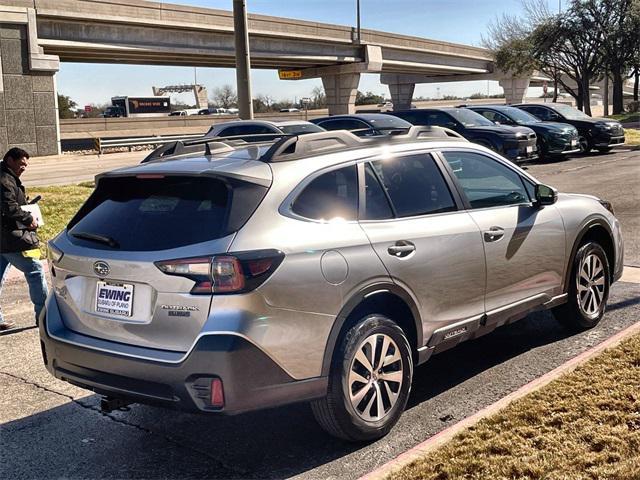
[243, 60]
[358, 20]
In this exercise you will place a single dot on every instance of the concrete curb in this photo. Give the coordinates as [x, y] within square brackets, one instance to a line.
[447, 434]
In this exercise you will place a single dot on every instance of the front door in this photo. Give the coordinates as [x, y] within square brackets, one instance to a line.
[524, 244]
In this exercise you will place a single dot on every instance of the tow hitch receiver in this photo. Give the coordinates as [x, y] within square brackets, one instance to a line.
[109, 404]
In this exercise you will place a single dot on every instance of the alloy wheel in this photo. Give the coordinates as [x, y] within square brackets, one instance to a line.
[591, 285]
[375, 377]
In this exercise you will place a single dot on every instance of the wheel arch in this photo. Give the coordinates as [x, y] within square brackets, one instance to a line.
[384, 298]
[597, 230]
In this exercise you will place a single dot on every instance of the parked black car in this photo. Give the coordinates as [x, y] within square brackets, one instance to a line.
[515, 143]
[554, 139]
[364, 124]
[598, 133]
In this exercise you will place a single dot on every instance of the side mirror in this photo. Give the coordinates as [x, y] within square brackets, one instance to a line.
[451, 125]
[545, 195]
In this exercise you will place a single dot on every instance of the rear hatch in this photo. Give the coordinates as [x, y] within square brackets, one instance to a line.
[109, 283]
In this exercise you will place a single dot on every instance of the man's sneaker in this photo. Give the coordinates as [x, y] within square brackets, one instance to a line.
[7, 326]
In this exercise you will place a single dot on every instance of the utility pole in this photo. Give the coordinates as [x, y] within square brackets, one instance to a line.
[358, 20]
[243, 59]
[605, 97]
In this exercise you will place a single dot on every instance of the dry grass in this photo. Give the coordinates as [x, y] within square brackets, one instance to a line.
[58, 206]
[632, 136]
[585, 425]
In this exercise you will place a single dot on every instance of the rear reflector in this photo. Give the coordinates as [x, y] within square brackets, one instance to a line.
[217, 393]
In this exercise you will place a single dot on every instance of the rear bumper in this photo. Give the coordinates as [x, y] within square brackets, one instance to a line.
[251, 380]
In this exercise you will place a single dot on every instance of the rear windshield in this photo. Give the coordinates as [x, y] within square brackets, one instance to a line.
[301, 128]
[469, 118]
[136, 214]
[387, 122]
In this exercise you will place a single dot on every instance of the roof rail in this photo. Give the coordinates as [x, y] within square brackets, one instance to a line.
[208, 146]
[295, 147]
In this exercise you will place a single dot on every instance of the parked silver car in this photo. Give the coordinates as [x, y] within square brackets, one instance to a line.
[318, 268]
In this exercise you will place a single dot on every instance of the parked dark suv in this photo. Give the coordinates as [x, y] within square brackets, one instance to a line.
[554, 139]
[598, 133]
[515, 143]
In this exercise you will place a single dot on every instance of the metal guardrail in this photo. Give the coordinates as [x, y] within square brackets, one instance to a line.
[102, 143]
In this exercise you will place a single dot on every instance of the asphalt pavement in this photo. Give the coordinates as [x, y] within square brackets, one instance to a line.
[50, 429]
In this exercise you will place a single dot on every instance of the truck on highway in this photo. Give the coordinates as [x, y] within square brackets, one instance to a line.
[138, 107]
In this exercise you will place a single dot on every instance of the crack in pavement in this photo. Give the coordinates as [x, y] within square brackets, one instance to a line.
[86, 406]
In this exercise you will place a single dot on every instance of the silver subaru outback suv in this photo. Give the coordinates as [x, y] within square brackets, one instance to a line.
[222, 277]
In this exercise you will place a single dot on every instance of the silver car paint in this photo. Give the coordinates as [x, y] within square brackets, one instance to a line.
[290, 316]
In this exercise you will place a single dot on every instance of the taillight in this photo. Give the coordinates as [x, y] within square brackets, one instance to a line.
[235, 273]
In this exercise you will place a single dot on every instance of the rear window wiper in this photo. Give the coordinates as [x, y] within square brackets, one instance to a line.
[96, 237]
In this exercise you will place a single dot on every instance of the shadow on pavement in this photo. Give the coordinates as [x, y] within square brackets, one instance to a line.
[76, 440]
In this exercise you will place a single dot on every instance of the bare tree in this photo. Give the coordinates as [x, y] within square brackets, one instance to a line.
[318, 98]
[225, 96]
[560, 46]
[617, 26]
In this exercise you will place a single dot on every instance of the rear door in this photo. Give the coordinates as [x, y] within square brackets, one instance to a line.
[524, 244]
[108, 284]
[427, 244]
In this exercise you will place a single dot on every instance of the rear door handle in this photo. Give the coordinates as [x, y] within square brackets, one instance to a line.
[401, 249]
[493, 234]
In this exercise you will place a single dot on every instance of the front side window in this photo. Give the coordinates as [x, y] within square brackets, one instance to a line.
[486, 182]
[414, 185]
[331, 196]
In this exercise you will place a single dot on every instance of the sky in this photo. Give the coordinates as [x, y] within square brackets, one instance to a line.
[458, 21]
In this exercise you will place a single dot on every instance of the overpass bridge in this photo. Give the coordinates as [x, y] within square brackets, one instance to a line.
[35, 35]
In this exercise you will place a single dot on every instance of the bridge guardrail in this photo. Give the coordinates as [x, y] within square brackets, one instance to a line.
[102, 143]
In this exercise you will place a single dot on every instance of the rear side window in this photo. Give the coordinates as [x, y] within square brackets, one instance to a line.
[163, 213]
[414, 185]
[332, 195]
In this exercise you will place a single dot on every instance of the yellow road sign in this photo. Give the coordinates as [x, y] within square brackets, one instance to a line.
[289, 74]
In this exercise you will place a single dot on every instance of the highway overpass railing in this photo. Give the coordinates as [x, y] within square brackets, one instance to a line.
[104, 143]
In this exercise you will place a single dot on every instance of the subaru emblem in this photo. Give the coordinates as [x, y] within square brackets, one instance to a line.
[101, 268]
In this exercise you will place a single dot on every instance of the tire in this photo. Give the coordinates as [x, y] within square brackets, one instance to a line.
[584, 144]
[543, 156]
[588, 290]
[604, 149]
[487, 144]
[351, 409]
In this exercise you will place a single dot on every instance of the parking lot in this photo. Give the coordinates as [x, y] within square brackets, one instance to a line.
[67, 436]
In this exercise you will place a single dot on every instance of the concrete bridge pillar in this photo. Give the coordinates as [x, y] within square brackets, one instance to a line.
[515, 88]
[401, 93]
[341, 90]
[28, 99]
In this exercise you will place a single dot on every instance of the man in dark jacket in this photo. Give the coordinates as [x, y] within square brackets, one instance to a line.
[18, 238]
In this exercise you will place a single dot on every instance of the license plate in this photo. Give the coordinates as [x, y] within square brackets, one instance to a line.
[529, 148]
[574, 143]
[114, 299]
